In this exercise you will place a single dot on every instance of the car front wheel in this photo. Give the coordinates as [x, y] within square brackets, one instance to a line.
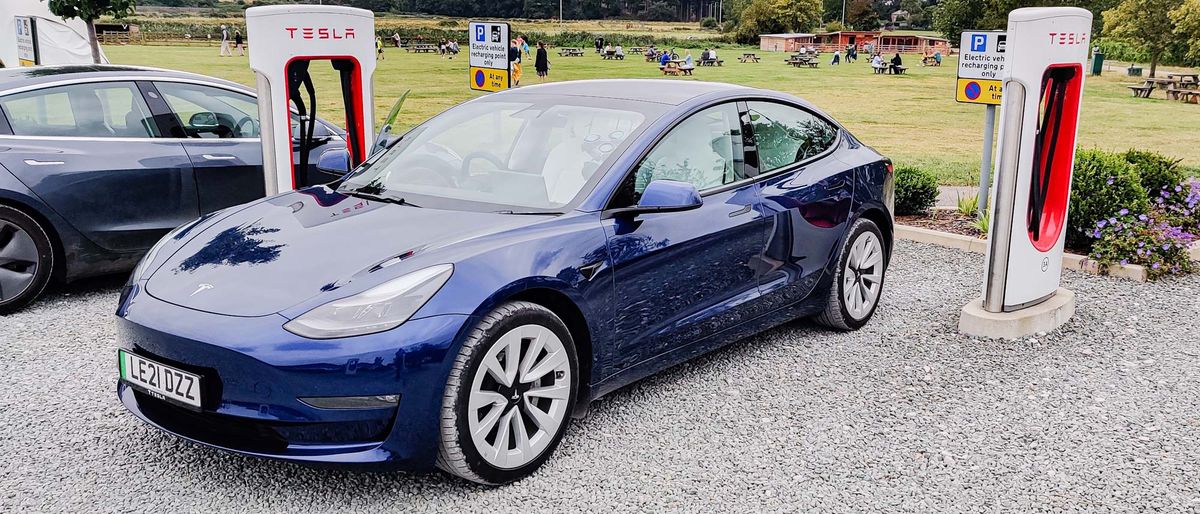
[509, 395]
[859, 279]
[26, 259]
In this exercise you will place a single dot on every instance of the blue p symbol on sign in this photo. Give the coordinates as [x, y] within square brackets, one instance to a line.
[479, 33]
[978, 42]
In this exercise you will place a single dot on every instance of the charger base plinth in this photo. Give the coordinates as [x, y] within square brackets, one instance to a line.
[1043, 317]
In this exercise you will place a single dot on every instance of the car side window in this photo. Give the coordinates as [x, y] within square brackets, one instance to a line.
[785, 135]
[704, 150]
[211, 112]
[106, 109]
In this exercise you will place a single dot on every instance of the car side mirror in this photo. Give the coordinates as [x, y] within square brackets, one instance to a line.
[335, 161]
[662, 196]
[204, 120]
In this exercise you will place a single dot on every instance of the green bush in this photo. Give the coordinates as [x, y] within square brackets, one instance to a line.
[708, 22]
[916, 190]
[1103, 183]
[1155, 170]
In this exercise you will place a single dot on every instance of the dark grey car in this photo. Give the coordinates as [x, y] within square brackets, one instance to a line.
[99, 162]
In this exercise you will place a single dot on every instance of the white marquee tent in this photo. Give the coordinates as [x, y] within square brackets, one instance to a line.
[59, 41]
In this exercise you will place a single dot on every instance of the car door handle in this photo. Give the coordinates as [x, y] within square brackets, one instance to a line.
[35, 162]
[741, 211]
[212, 157]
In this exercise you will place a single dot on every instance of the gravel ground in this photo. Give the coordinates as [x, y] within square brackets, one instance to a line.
[904, 415]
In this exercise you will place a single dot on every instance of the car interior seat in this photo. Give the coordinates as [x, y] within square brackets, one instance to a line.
[89, 114]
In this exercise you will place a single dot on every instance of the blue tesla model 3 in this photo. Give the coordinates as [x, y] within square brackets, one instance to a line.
[454, 301]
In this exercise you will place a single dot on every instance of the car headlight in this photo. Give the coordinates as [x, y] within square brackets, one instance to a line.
[380, 308]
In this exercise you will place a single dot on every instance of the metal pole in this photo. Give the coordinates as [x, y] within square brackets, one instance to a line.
[985, 167]
[843, 16]
[560, 13]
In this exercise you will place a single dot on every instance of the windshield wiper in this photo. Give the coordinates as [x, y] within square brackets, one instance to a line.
[379, 198]
[530, 213]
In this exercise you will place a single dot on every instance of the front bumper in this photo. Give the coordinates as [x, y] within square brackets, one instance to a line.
[253, 372]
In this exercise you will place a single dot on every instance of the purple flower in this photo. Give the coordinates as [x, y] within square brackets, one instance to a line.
[1123, 212]
[1112, 220]
[1143, 217]
[1124, 262]
[1101, 223]
[1155, 266]
[1110, 180]
[1167, 246]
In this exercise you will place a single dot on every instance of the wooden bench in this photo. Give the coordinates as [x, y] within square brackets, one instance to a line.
[899, 70]
[712, 62]
[1142, 91]
[1190, 96]
[748, 58]
[879, 70]
[570, 52]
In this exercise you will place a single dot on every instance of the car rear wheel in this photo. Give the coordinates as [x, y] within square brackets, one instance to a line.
[858, 283]
[26, 259]
[509, 395]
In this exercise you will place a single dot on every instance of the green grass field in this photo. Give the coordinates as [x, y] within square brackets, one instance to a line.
[912, 118]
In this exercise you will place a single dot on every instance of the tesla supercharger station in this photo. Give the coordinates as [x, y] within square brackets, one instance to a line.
[286, 42]
[1039, 115]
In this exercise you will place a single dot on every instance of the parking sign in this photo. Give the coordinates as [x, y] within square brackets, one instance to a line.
[980, 67]
[488, 69]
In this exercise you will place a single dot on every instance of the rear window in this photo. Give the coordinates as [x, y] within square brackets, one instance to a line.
[109, 109]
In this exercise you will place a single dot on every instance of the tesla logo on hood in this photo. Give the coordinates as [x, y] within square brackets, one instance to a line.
[200, 289]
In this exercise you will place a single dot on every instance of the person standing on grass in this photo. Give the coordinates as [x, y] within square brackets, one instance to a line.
[239, 43]
[514, 62]
[541, 63]
[379, 47]
[837, 58]
[225, 42]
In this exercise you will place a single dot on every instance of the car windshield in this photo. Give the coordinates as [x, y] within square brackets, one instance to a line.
[519, 153]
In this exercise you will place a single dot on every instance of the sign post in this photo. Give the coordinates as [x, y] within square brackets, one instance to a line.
[489, 56]
[27, 50]
[980, 67]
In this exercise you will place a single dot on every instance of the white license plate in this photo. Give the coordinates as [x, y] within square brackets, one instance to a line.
[159, 380]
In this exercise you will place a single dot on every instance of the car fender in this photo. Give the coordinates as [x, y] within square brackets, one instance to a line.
[70, 243]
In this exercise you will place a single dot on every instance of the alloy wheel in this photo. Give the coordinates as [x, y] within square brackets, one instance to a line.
[863, 277]
[18, 260]
[518, 397]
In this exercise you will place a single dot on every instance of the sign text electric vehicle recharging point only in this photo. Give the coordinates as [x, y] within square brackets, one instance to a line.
[1043, 85]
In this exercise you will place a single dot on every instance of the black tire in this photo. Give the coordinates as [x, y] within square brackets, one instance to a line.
[837, 314]
[15, 227]
[457, 453]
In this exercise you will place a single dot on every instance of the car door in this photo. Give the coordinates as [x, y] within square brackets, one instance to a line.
[806, 195]
[89, 151]
[681, 276]
[228, 156]
[220, 132]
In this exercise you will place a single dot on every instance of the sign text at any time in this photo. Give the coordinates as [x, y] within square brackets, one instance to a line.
[489, 56]
[980, 66]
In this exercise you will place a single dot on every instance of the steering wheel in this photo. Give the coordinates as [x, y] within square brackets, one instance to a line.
[240, 132]
[479, 154]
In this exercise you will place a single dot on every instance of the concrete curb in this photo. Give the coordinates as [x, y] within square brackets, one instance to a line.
[977, 245]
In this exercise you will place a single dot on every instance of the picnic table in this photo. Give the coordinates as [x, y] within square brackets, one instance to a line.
[676, 67]
[748, 57]
[930, 60]
[636, 50]
[568, 51]
[1141, 91]
[419, 48]
[612, 55]
[1182, 77]
[1160, 83]
[712, 62]
[798, 61]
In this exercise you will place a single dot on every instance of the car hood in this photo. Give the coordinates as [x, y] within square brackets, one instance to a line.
[284, 250]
